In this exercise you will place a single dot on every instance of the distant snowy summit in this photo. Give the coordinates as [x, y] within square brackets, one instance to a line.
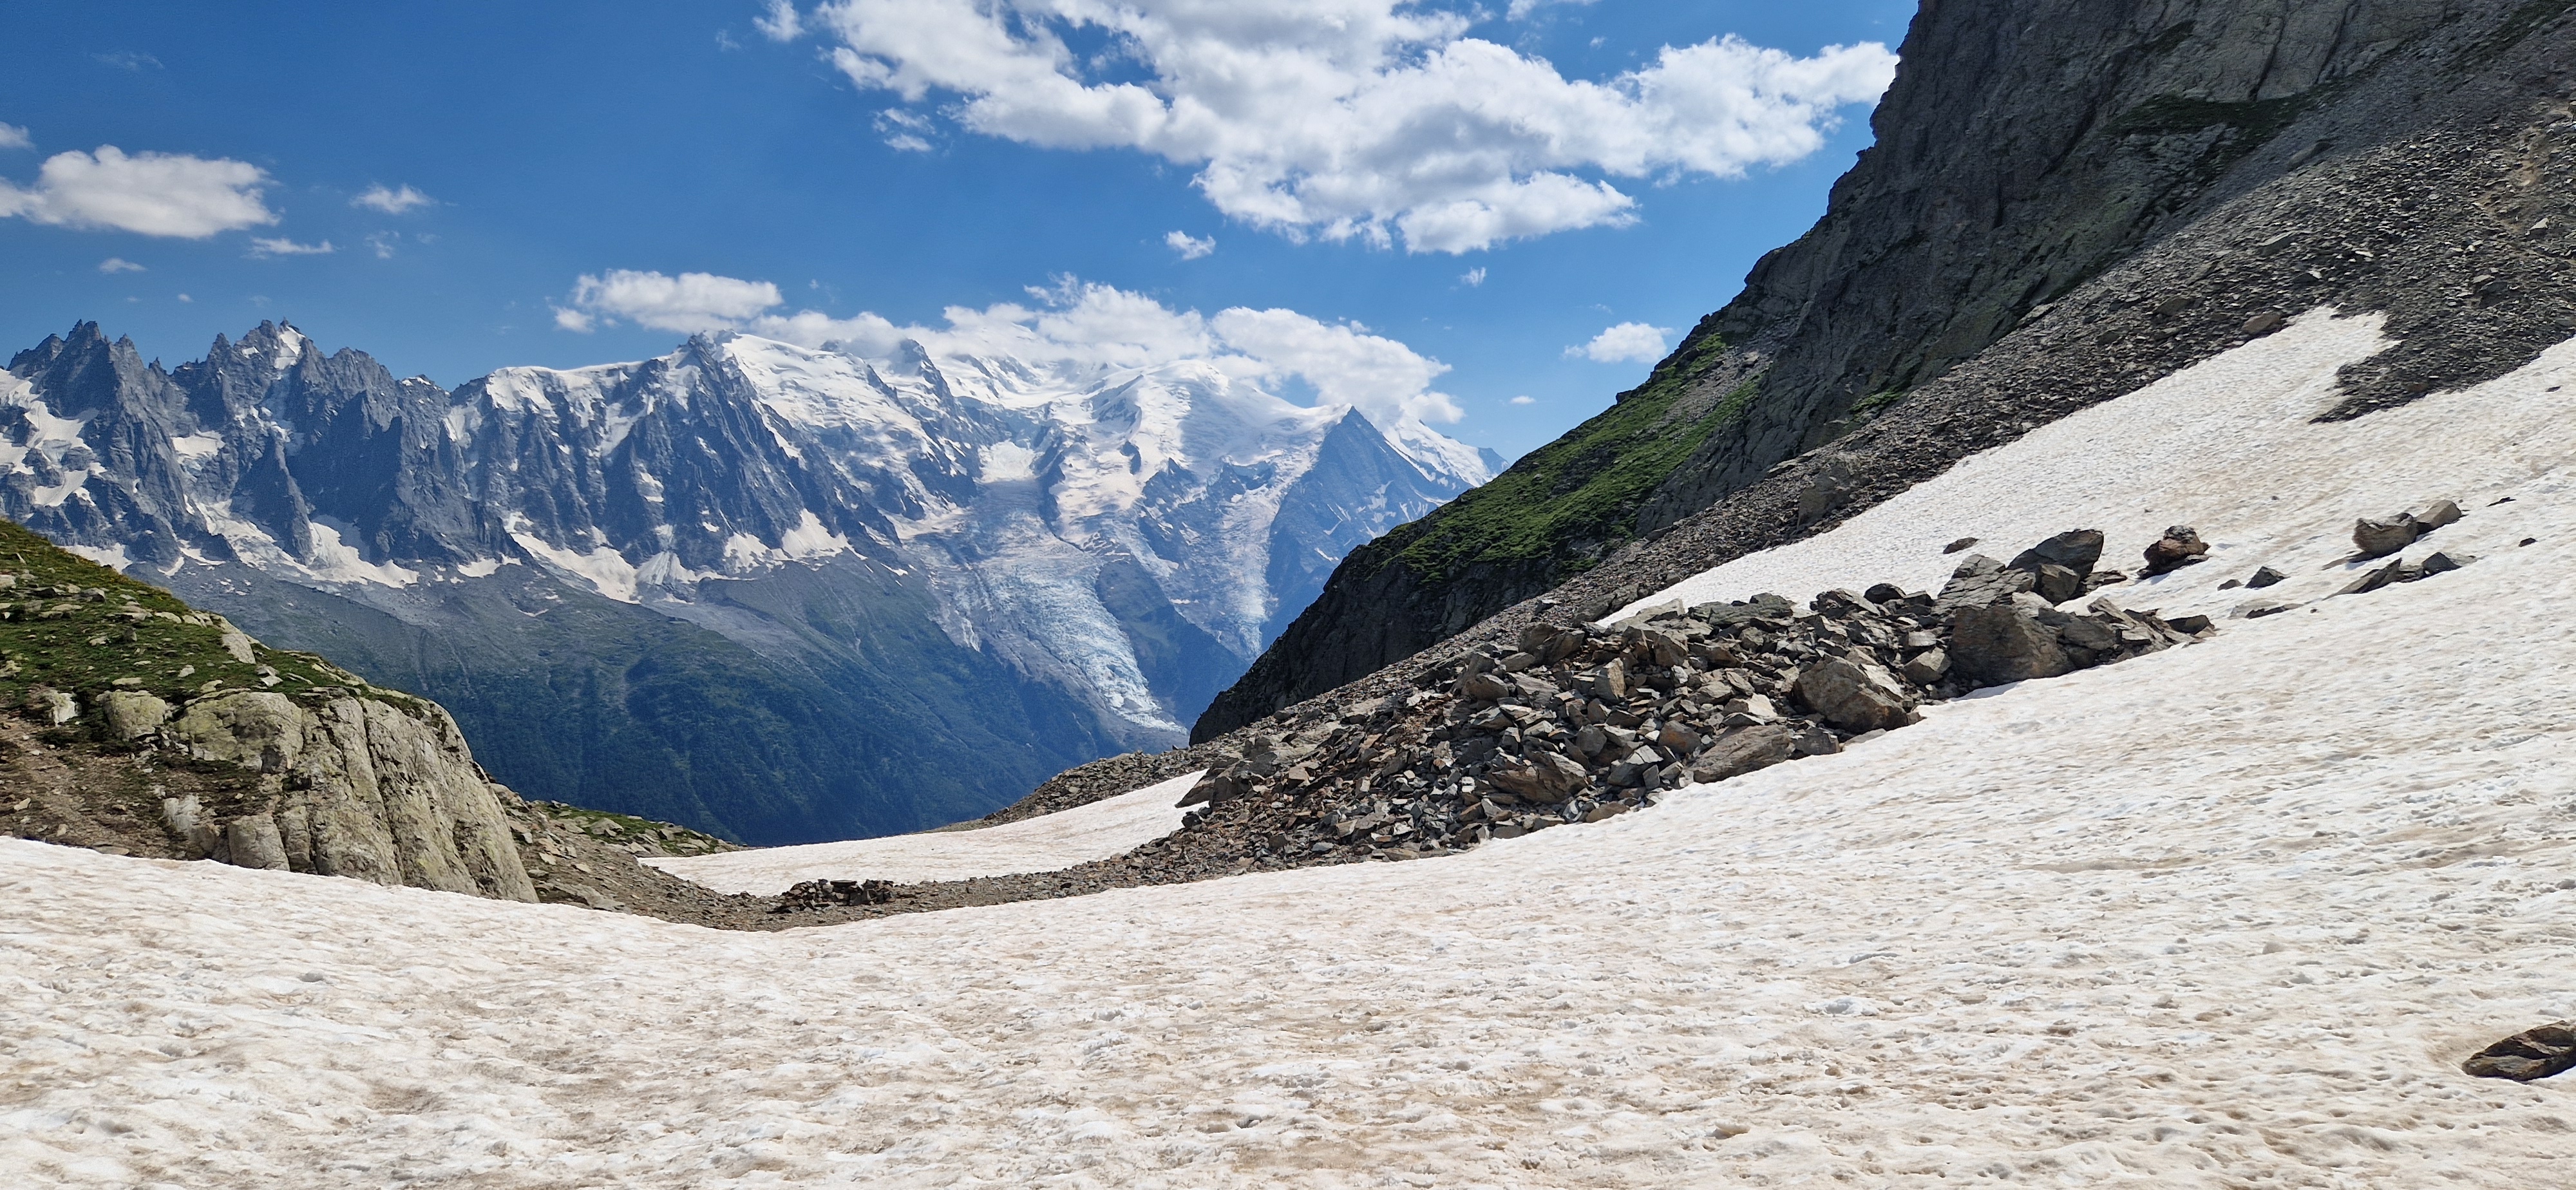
[1120, 542]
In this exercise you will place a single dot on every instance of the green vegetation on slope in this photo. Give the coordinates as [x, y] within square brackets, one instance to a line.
[1582, 489]
[70, 625]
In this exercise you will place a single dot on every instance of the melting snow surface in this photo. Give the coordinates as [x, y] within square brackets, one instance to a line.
[2231, 448]
[1097, 831]
[2224, 915]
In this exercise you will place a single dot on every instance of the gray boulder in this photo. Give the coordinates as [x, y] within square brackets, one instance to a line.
[2004, 643]
[1546, 777]
[2075, 549]
[1980, 581]
[252, 841]
[132, 714]
[2057, 584]
[1855, 698]
[2380, 538]
[2266, 577]
[1744, 750]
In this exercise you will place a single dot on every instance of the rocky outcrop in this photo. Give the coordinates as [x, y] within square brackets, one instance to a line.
[2067, 200]
[174, 733]
[361, 788]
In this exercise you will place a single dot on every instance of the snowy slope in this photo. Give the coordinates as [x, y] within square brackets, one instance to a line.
[2222, 916]
[2229, 447]
[1101, 830]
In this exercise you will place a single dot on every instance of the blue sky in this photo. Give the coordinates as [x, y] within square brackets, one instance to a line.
[878, 162]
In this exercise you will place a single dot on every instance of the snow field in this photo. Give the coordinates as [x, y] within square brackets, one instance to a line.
[2226, 915]
[1106, 828]
[2229, 447]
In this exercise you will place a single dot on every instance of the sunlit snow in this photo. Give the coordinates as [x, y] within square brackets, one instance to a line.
[1101, 830]
[2224, 915]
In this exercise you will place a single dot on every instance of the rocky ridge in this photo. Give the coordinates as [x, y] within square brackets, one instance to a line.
[2012, 251]
[153, 728]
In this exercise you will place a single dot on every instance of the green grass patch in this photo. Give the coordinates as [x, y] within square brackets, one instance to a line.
[1577, 494]
[72, 625]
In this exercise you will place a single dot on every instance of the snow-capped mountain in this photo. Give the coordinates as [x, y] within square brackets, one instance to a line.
[1090, 552]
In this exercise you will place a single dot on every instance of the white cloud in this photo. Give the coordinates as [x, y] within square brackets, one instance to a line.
[780, 23]
[153, 194]
[1524, 400]
[907, 131]
[1472, 277]
[383, 242]
[687, 303]
[1189, 247]
[1622, 343]
[392, 202]
[185, 298]
[127, 60]
[14, 136]
[284, 247]
[1070, 323]
[1368, 119]
[118, 264]
[1521, 9]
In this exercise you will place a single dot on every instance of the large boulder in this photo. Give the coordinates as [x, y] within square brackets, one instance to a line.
[1855, 697]
[369, 790]
[2004, 643]
[132, 714]
[1980, 581]
[1744, 750]
[2075, 549]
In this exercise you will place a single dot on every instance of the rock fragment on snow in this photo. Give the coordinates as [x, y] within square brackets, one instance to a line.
[2380, 538]
[2180, 546]
[2527, 1056]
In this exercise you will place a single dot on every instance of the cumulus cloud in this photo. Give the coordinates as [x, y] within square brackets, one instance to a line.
[780, 22]
[1628, 341]
[1190, 248]
[1472, 278]
[1369, 119]
[153, 194]
[1521, 9]
[688, 303]
[118, 264]
[1071, 323]
[14, 136]
[284, 247]
[392, 202]
[1524, 399]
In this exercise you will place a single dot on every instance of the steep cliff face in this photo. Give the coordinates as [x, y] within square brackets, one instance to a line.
[2133, 180]
[143, 721]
